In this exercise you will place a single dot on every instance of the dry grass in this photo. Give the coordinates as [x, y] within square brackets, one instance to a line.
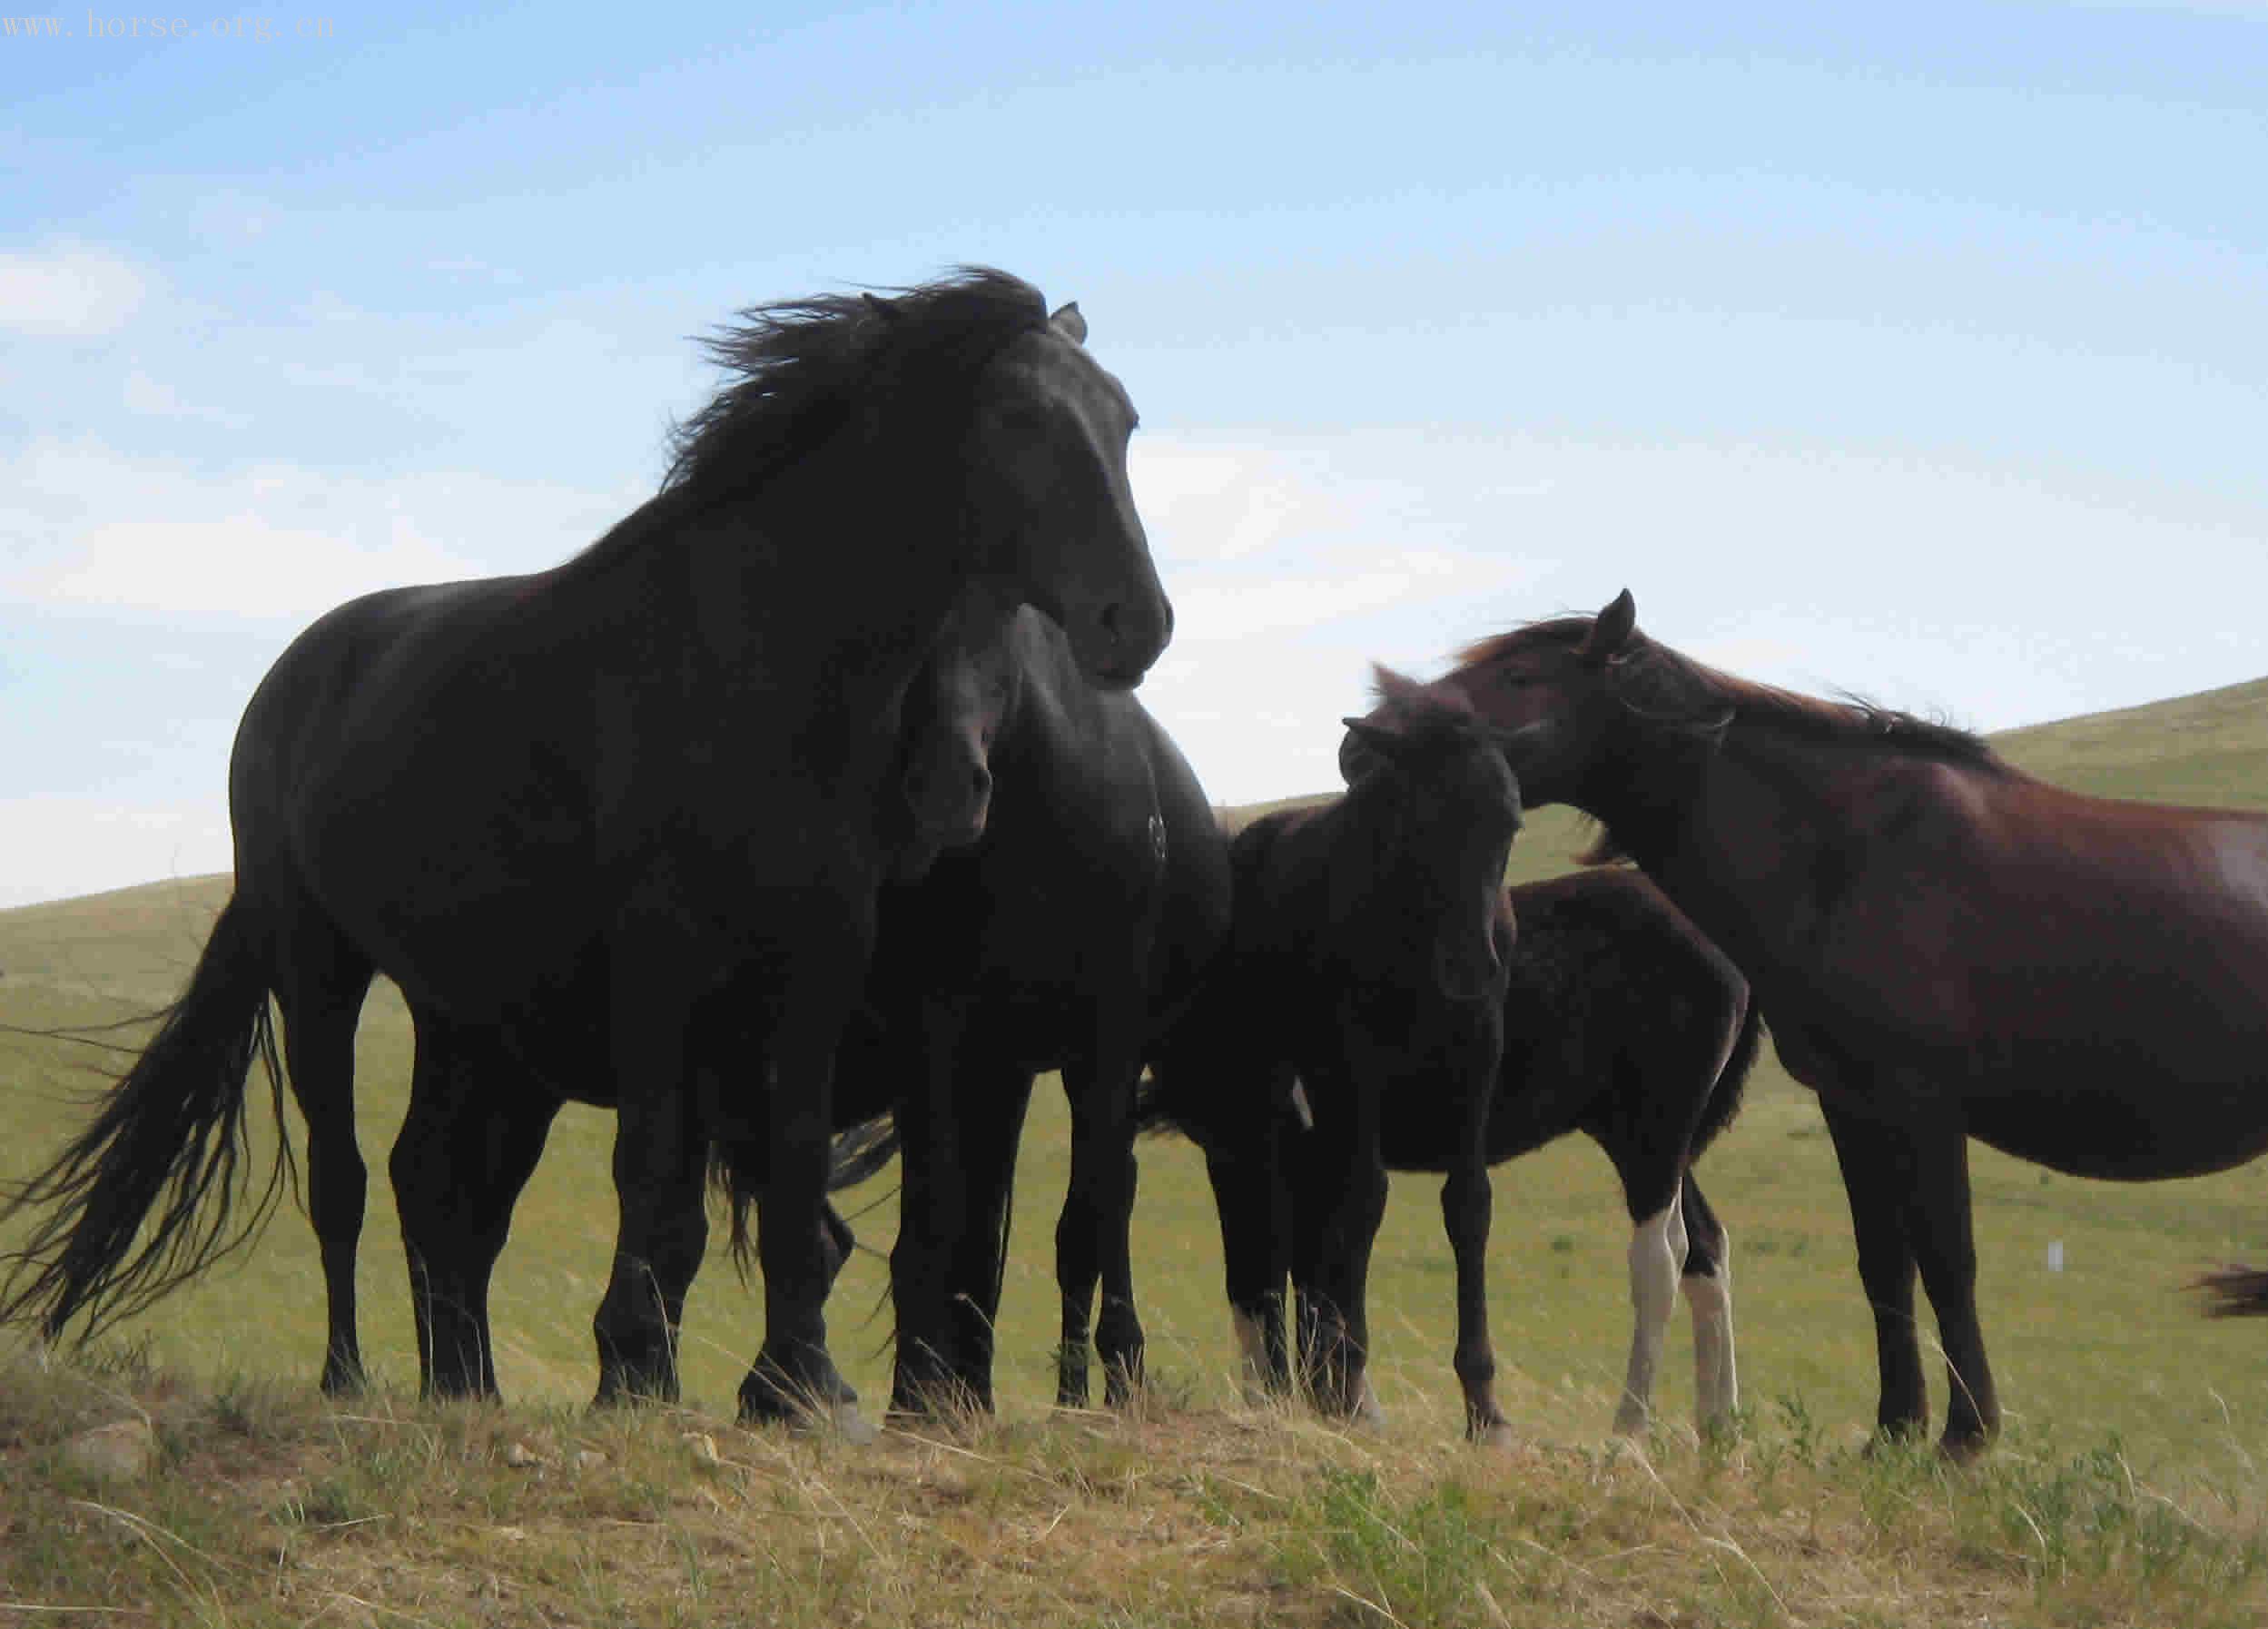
[269, 1507]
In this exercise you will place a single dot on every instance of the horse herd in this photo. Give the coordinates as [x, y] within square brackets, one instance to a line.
[808, 815]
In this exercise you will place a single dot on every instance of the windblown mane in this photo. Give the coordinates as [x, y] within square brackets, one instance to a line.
[1431, 719]
[803, 368]
[1668, 689]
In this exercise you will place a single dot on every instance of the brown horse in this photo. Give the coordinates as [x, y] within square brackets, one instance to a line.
[1943, 947]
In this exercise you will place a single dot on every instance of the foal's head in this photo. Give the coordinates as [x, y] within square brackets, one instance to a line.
[958, 701]
[1438, 769]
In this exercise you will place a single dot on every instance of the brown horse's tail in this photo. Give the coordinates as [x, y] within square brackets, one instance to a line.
[2234, 1291]
[168, 1142]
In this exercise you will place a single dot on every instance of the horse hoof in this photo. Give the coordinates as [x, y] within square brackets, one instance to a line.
[843, 1420]
[1498, 1434]
[1368, 1413]
[1631, 1422]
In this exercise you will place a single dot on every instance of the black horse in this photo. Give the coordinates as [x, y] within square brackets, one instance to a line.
[567, 812]
[1621, 1022]
[1062, 940]
[1367, 956]
[466, 1093]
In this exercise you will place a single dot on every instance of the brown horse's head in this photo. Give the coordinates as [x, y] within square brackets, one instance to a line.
[1442, 769]
[1556, 691]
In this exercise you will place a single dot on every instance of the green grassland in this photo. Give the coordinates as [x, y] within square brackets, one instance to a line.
[2108, 1351]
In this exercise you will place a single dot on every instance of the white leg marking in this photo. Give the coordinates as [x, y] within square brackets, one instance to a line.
[1252, 1345]
[1657, 1255]
[1716, 1378]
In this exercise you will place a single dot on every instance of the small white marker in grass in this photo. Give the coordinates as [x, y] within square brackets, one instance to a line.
[2055, 1254]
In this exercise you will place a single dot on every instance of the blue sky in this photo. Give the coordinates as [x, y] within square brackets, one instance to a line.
[1919, 350]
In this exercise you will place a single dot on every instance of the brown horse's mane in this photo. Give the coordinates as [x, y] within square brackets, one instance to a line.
[1667, 687]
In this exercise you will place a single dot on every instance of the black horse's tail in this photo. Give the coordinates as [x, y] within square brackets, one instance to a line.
[1724, 1099]
[861, 1152]
[170, 1141]
[737, 1174]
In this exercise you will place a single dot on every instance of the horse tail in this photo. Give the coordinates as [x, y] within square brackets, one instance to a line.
[734, 1179]
[862, 1152]
[170, 1139]
[2235, 1290]
[1724, 1098]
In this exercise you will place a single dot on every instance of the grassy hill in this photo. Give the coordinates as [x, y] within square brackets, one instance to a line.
[2104, 1357]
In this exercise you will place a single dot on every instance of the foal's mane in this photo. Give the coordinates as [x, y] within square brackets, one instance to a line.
[801, 369]
[1668, 689]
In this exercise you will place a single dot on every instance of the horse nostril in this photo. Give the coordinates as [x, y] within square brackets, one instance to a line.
[1113, 615]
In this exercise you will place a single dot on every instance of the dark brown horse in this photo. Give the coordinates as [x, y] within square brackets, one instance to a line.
[1943, 947]
[1621, 1022]
[567, 812]
[1366, 957]
[1060, 940]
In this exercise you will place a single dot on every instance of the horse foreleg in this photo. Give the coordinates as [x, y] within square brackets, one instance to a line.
[1709, 1295]
[1872, 1179]
[1939, 1225]
[932, 1221]
[1251, 1197]
[794, 1377]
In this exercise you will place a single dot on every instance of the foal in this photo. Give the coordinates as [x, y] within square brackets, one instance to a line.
[1368, 953]
[1621, 1022]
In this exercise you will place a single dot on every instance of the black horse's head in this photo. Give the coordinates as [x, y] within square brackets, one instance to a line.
[960, 700]
[1441, 770]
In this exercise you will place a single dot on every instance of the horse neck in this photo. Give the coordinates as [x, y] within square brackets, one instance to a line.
[1735, 834]
[832, 578]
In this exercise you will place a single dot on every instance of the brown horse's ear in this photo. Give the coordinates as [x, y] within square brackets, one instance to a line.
[1069, 322]
[1611, 630]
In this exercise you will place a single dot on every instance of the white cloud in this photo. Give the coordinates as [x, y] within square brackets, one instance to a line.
[149, 398]
[67, 290]
[82, 525]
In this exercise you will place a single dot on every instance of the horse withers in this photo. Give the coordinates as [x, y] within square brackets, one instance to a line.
[1367, 956]
[1943, 947]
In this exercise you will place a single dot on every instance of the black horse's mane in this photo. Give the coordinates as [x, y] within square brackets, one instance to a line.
[802, 369]
[1667, 687]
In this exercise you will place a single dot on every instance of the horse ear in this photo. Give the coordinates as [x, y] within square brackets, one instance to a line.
[1367, 747]
[1071, 324]
[1611, 630]
[887, 310]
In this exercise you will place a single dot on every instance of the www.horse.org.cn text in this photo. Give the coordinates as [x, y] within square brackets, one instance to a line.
[88, 25]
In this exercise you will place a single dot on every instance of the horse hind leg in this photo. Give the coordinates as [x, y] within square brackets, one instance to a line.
[1657, 1255]
[319, 993]
[475, 1129]
[1708, 1284]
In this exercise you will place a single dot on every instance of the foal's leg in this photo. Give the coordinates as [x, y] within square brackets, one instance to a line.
[321, 989]
[1869, 1156]
[1252, 1194]
[1709, 1295]
[1650, 1160]
[1098, 1212]
[1466, 1203]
